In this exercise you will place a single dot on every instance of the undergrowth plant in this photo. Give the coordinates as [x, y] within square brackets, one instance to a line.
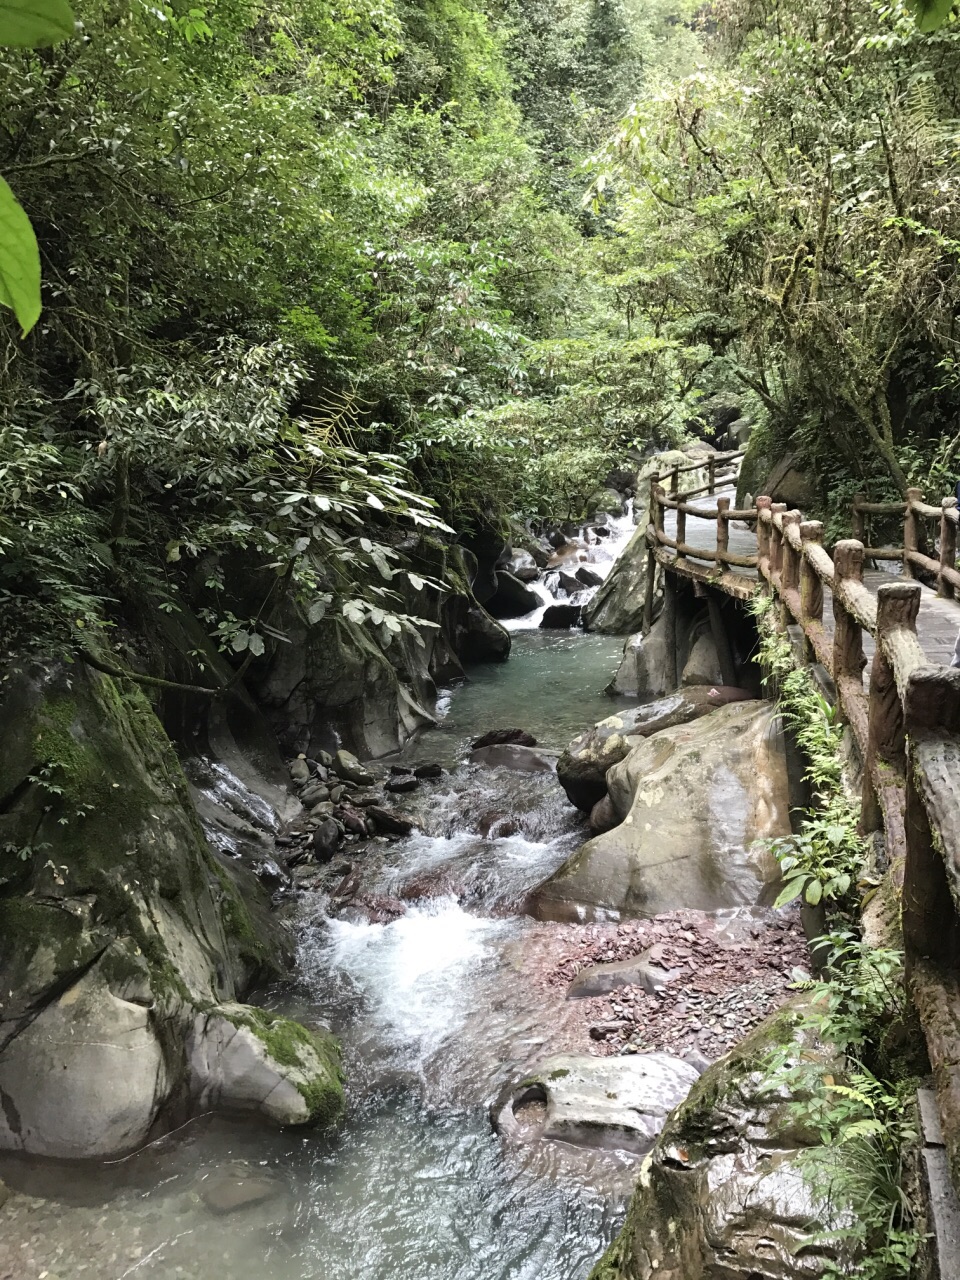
[860, 1112]
[861, 1116]
[824, 861]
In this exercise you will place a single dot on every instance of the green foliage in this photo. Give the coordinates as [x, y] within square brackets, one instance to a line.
[863, 1121]
[34, 24]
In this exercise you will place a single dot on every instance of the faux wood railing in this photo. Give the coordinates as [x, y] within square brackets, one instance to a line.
[906, 721]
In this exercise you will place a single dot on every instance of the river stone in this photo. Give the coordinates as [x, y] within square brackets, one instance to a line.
[588, 578]
[242, 1058]
[602, 816]
[403, 783]
[496, 737]
[348, 767]
[520, 759]
[299, 770]
[561, 617]
[523, 566]
[638, 971]
[237, 1187]
[513, 599]
[388, 820]
[617, 1103]
[428, 771]
[723, 1193]
[582, 768]
[692, 800]
[325, 840]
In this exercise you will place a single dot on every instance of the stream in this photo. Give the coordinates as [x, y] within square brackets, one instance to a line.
[435, 1018]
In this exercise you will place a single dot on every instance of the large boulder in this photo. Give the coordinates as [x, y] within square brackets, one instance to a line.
[617, 1103]
[645, 670]
[241, 1058]
[512, 598]
[787, 481]
[118, 922]
[692, 803]
[582, 768]
[514, 756]
[727, 1190]
[605, 500]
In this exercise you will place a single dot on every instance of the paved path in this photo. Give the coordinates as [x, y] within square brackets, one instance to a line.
[938, 621]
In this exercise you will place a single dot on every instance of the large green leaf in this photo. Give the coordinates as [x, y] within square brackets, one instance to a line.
[19, 261]
[30, 24]
[930, 14]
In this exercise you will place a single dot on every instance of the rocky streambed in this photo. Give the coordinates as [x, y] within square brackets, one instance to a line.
[526, 994]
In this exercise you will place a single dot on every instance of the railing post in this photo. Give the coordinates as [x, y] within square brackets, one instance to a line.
[776, 537]
[656, 505]
[789, 556]
[811, 588]
[948, 549]
[848, 659]
[681, 531]
[674, 481]
[897, 606]
[858, 522]
[763, 536]
[723, 530]
[911, 531]
[711, 472]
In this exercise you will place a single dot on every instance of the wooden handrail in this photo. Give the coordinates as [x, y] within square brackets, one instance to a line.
[905, 721]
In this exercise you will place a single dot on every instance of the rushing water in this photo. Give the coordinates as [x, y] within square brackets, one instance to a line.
[434, 1017]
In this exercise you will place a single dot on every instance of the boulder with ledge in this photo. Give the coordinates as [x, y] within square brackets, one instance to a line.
[618, 1103]
[697, 805]
[582, 768]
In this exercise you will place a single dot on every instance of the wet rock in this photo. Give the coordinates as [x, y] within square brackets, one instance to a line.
[608, 500]
[614, 1103]
[269, 874]
[724, 1193]
[496, 737]
[299, 770]
[325, 840]
[582, 768]
[561, 617]
[513, 599]
[520, 759]
[337, 793]
[429, 771]
[483, 639]
[241, 1058]
[588, 578]
[317, 769]
[349, 768]
[523, 566]
[314, 795]
[568, 583]
[695, 802]
[601, 979]
[602, 817]
[227, 1190]
[322, 810]
[402, 784]
[348, 886]
[495, 826]
[389, 821]
[398, 770]
[353, 821]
